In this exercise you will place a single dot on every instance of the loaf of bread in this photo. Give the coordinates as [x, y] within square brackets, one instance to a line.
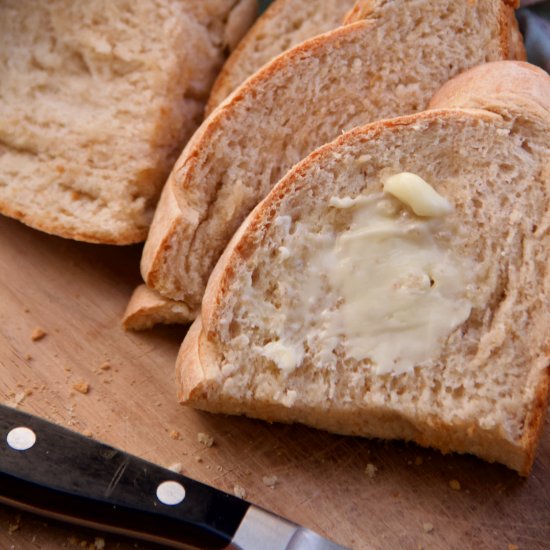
[388, 62]
[396, 283]
[97, 99]
[284, 24]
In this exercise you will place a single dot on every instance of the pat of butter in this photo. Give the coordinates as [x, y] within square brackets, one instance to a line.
[403, 293]
[419, 195]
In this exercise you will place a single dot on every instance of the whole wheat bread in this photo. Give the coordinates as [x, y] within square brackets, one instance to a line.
[389, 62]
[263, 345]
[97, 99]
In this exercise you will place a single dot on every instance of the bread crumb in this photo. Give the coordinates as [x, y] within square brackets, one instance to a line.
[205, 439]
[99, 543]
[174, 434]
[87, 433]
[15, 526]
[513, 547]
[105, 365]
[371, 470]
[454, 484]
[82, 387]
[28, 356]
[37, 334]
[428, 527]
[198, 458]
[270, 481]
[177, 467]
[219, 468]
[239, 491]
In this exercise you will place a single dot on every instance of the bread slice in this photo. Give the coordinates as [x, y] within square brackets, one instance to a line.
[337, 306]
[97, 99]
[386, 64]
[148, 308]
[284, 24]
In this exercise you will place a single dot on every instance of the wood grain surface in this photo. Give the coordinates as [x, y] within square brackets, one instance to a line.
[363, 494]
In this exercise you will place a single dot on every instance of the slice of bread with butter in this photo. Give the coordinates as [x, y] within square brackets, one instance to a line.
[395, 283]
[387, 61]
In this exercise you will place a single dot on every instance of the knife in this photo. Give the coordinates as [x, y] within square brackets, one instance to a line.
[53, 471]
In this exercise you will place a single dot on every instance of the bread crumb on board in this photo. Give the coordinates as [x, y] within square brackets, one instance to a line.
[16, 525]
[205, 439]
[513, 547]
[37, 334]
[174, 434]
[371, 470]
[177, 467]
[239, 491]
[454, 484]
[82, 387]
[270, 481]
[428, 527]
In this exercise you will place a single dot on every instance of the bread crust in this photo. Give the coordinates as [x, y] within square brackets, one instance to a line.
[147, 308]
[158, 269]
[275, 17]
[197, 365]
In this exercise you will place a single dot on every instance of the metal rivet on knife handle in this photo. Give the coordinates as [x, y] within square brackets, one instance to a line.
[21, 438]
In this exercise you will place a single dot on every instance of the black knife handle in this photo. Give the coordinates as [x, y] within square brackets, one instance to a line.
[75, 478]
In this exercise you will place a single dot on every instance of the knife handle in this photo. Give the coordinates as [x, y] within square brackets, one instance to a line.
[51, 470]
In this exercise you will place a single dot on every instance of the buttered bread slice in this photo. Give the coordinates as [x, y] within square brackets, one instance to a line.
[387, 61]
[395, 283]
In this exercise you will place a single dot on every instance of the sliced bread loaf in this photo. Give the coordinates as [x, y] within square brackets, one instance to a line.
[97, 99]
[386, 64]
[285, 24]
[396, 282]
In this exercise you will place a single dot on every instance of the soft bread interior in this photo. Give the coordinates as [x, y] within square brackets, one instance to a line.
[484, 389]
[97, 99]
[385, 65]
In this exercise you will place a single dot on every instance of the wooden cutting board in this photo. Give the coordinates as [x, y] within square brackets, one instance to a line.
[362, 494]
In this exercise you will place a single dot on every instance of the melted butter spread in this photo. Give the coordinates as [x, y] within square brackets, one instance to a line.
[402, 293]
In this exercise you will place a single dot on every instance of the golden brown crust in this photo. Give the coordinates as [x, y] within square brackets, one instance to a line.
[500, 86]
[94, 236]
[189, 371]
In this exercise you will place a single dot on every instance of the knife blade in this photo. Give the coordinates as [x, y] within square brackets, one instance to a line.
[56, 472]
